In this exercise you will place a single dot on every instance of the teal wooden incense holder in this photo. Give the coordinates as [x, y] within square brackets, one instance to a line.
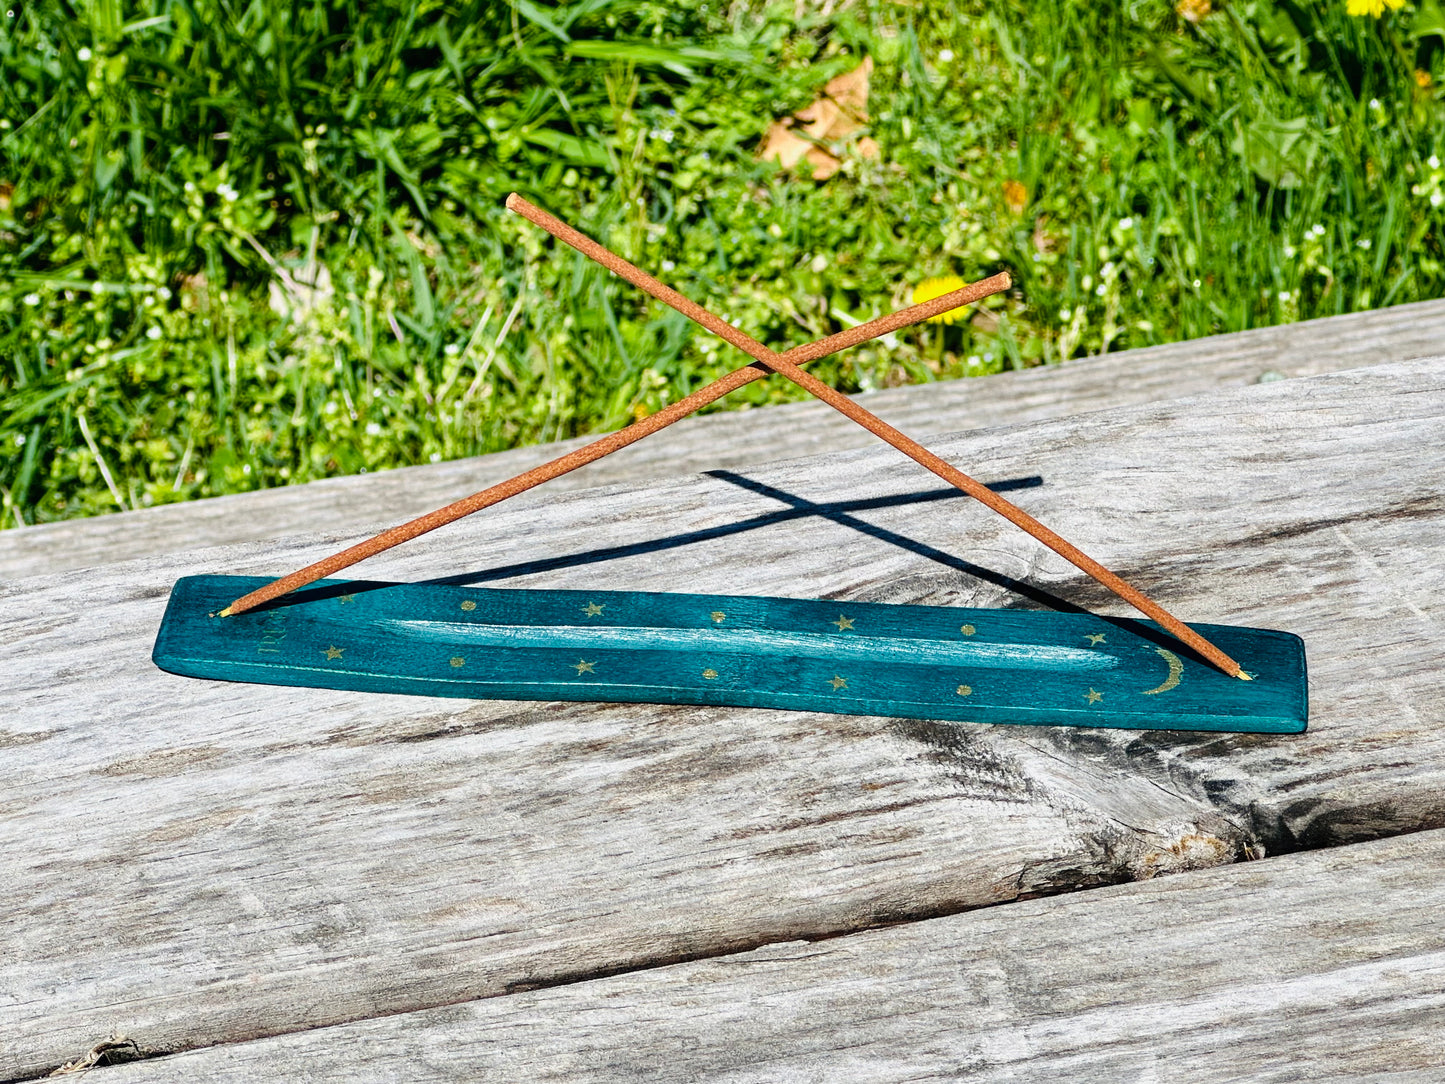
[853, 658]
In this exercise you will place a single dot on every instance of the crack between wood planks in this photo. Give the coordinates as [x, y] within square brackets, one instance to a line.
[989, 765]
[738, 949]
[734, 950]
[1248, 811]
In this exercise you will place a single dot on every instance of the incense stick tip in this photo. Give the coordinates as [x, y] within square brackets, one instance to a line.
[512, 200]
[1243, 676]
[1008, 280]
[225, 613]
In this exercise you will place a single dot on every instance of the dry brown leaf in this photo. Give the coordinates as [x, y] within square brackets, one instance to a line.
[841, 111]
[850, 92]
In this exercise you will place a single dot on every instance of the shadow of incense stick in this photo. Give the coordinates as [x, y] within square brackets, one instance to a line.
[841, 514]
[838, 511]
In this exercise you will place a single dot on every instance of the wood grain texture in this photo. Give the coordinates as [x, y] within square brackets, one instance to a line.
[345, 507]
[191, 865]
[1327, 966]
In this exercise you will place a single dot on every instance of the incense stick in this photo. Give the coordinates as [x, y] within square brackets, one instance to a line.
[785, 367]
[613, 442]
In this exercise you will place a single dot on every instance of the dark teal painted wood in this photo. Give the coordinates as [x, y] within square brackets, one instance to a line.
[857, 658]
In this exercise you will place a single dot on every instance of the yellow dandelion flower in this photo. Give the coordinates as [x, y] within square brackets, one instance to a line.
[1015, 195]
[1422, 78]
[928, 289]
[1194, 11]
[1374, 8]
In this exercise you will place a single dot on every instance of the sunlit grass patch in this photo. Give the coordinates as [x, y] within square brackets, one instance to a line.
[255, 244]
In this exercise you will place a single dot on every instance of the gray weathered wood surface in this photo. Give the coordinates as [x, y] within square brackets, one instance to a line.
[737, 440]
[1325, 966]
[197, 863]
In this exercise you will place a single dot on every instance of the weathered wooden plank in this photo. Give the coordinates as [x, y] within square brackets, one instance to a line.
[364, 504]
[1325, 966]
[196, 863]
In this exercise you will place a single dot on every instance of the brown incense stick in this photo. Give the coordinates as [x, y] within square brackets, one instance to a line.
[785, 367]
[800, 355]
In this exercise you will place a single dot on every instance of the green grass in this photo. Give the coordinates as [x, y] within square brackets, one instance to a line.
[167, 166]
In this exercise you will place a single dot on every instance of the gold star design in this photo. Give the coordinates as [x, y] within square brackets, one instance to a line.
[838, 683]
[1094, 638]
[1093, 697]
[584, 667]
[843, 623]
[967, 630]
[469, 605]
[457, 660]
[348, 598]
[333, 652]
[711, 675]
[718, 616]
[963, 690]
[592, 609]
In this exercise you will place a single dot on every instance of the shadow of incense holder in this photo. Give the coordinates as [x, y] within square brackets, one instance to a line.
[853, 658]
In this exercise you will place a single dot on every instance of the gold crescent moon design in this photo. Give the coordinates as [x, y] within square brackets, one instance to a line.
[1176, 671]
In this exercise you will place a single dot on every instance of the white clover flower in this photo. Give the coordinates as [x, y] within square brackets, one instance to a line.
[82, 54]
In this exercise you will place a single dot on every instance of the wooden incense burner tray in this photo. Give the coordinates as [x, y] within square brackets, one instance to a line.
[851, 658]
